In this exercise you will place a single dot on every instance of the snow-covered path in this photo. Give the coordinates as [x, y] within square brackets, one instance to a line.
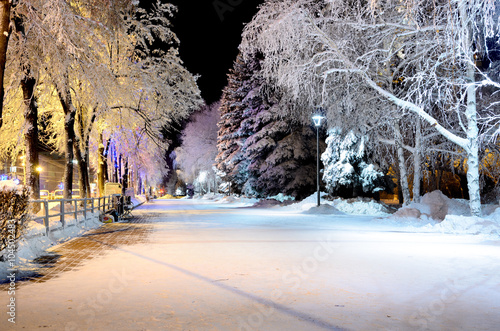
[207, 266]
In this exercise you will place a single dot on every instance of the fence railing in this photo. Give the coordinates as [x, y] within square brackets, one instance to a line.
[72, 207]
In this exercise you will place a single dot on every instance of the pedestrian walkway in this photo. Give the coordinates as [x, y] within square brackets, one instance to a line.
[72, 254]
[189, 265]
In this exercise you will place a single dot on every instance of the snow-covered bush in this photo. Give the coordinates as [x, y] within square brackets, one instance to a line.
[347, 171]
[13, 212]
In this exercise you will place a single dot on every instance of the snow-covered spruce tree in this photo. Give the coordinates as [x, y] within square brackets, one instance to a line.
[324, 45]
[229, 161]
[281, 152]
[347, 168]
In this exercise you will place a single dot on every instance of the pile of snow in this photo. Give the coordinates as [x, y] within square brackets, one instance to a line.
[35, 242]
[349, 206]
[361, 207]
[438, 213]
[281, 197]
[212, 196]
[308, 203]
[323, 210]
[488, 227]
[433, 205]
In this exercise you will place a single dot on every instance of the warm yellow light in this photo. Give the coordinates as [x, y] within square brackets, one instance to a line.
[39, 169]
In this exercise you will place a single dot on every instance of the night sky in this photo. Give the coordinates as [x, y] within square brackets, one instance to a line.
[210, 38]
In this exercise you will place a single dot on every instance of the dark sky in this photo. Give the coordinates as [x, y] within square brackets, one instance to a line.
[210, 37]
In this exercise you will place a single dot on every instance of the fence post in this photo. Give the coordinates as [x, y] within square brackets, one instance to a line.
[85, 208]
[61, 211]
[76, 211]
[93, 205]
[46, 218]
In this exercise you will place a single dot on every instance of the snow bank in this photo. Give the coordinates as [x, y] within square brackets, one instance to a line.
[349, 206]
[427, 216]
[35, 241]
[487, 227]
[361, 207]
[323, 210]
[281, 197]
[308, 203]
[232, 199]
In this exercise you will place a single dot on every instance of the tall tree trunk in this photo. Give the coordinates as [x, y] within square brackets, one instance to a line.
[115, 166]
[83, 169]
[417, 160]
[5, 6]
[86, 154]
[105, 160]
[125, 177]
[69, 131]
[28, 83]
[101, 169]
[403, 173]
[120, 172]
[80, 158]
[472, 147]
[139, 185]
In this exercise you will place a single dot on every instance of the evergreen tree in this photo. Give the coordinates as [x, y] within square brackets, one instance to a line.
[229, 159]
[281, 154]
[348, 171]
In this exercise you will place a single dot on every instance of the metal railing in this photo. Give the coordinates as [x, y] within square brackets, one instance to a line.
[73, 207]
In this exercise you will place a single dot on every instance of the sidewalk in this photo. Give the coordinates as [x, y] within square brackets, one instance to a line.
[75, 252]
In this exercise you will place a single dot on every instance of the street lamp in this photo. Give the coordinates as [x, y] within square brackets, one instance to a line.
[317, 123]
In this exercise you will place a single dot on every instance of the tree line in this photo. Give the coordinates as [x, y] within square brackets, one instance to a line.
[99, 82]
[413, 87]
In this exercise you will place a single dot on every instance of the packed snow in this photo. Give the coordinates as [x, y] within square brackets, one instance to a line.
[35, 241]
[226, 266]
[416, 217]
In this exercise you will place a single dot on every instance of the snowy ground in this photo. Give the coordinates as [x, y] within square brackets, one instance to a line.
[217, 264]
[34, 242]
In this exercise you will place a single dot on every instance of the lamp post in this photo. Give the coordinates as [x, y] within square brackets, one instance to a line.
[317, 122]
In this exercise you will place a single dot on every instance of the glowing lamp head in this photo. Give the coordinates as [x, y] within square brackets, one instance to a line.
[317, 120]
[39, 169]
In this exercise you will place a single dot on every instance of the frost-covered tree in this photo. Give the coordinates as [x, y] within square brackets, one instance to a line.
[51, 40]
[348, 171]
[281, 154]
[229, 159]
[271, 154]
[317, 48]
[5, 8]
[198, 150]
[100, 62]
